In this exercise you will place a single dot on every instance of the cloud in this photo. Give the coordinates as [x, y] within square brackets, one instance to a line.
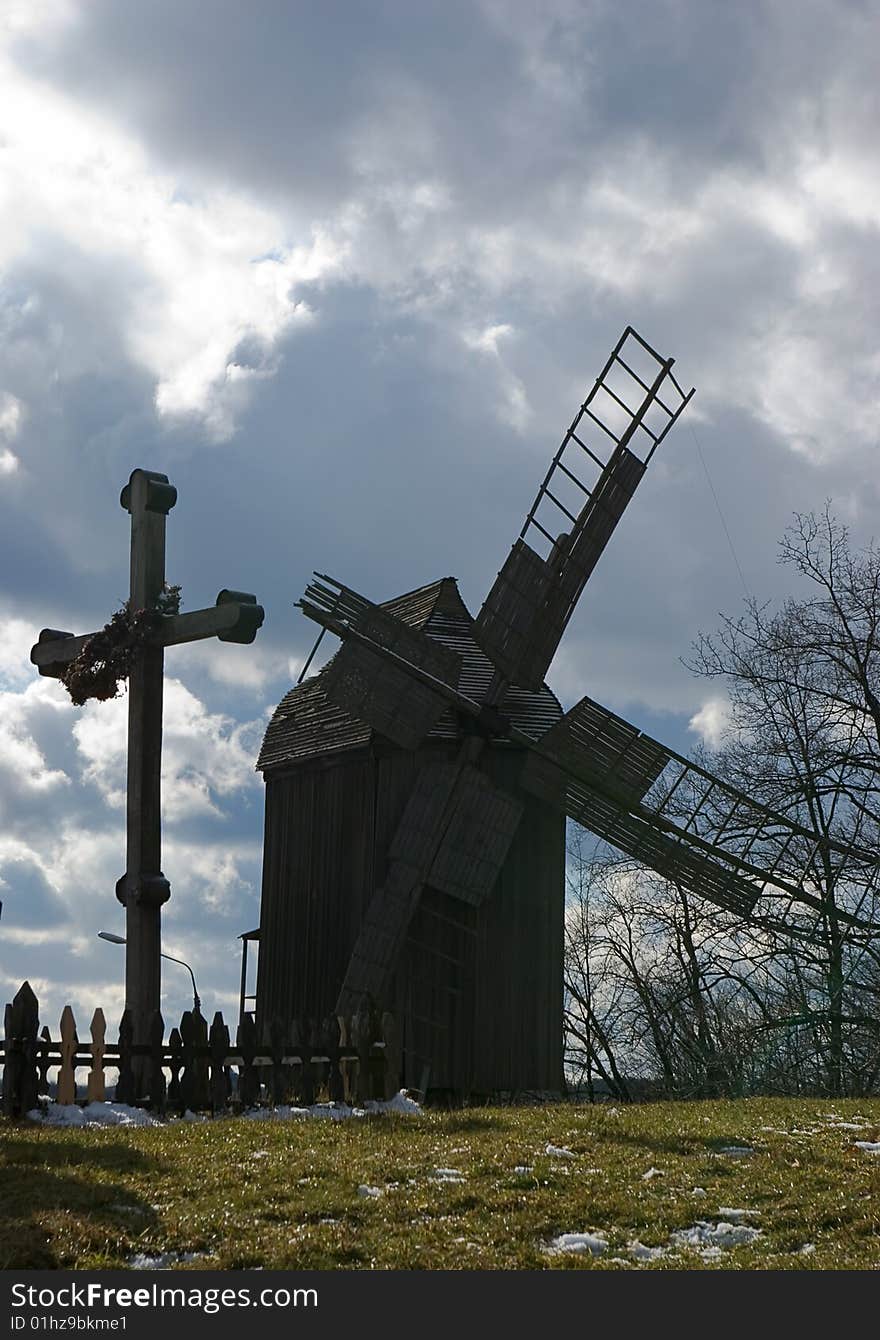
[205, 756]
[208, 274]
[10, 422]
[712, 722]
[23, 765]
[514, 409]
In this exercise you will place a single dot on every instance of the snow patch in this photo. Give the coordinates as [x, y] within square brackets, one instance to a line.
[447, 1175]
[400, 1103]
[868, 1146]
[122, 1114]
[93, 1114]
[594, 1243]
[709, 1240]
[639, 1252]
[736, 1151]
[370, 1192]
[317, 1112]
[163, 1261]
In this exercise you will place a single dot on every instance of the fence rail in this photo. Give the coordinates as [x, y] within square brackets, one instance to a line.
[342, 1059]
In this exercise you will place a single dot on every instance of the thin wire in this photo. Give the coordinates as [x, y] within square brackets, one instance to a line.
[302, 673]
[720, 513]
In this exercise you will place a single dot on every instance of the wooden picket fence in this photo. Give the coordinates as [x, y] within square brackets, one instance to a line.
[349, 1060]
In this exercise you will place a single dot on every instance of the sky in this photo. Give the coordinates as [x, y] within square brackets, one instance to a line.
[344, 272]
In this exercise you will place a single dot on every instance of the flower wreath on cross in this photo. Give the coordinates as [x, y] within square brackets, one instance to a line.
[106, 659]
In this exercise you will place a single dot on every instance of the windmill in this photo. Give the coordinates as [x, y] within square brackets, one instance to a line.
[506, 763]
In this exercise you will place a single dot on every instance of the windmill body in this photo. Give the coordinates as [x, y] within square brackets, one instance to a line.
[417, 788]
[478, 988]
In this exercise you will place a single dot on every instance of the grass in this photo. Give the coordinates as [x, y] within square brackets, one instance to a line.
[285, 1194]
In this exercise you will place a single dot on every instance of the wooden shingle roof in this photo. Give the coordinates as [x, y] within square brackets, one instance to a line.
[307, 725]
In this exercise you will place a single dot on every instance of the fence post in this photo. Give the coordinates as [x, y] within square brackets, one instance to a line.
[305, 1036]
[296, 1050]
[95, 1091]
[277, 1041]
[246, 1042]
[364, 1030]
[175, 1065]
[346, 1063]
[330, 1035]
[320, 1069]
[20, 1053]
[125, 1082]
[219, 1044]
[44, 1048]
[66, 1091]
[194, 1082]
[155, 1073]
[392, 1056]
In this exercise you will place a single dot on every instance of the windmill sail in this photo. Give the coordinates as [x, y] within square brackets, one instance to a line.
[454, 835]
[616, 431]
[674, 816]
[479, 828]
[369, 685]
[381, 935]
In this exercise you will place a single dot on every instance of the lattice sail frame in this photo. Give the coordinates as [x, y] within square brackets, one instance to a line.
[571, 521]
[676, 817]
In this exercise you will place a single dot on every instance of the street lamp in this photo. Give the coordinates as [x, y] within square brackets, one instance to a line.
[120, 940]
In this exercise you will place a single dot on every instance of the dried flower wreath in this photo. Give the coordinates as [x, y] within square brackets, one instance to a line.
[106, 659]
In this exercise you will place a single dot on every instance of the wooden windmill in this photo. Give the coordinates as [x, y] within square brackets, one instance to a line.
[417, 787]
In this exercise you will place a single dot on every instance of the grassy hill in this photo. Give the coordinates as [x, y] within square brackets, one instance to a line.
[472, 1189]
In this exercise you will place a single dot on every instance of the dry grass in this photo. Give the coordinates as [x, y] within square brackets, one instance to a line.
[286, 1194]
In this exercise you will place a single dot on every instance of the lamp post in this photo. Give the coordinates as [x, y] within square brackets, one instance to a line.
[120, 940]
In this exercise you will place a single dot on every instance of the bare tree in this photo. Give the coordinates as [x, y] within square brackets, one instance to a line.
[803, 684]
[663, 985]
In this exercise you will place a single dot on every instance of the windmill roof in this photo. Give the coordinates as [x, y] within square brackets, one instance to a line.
[307, 725]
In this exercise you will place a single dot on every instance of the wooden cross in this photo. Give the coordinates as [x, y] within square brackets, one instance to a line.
[142, 890]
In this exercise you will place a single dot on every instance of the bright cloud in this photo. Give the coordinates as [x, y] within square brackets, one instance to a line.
[514, 407]
[711, 722]
[207, 271]
[22, 762]
[205, 755]
[10, 422]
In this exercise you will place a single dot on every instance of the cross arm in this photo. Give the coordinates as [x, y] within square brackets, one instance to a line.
[234, 618]
[54, 650]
